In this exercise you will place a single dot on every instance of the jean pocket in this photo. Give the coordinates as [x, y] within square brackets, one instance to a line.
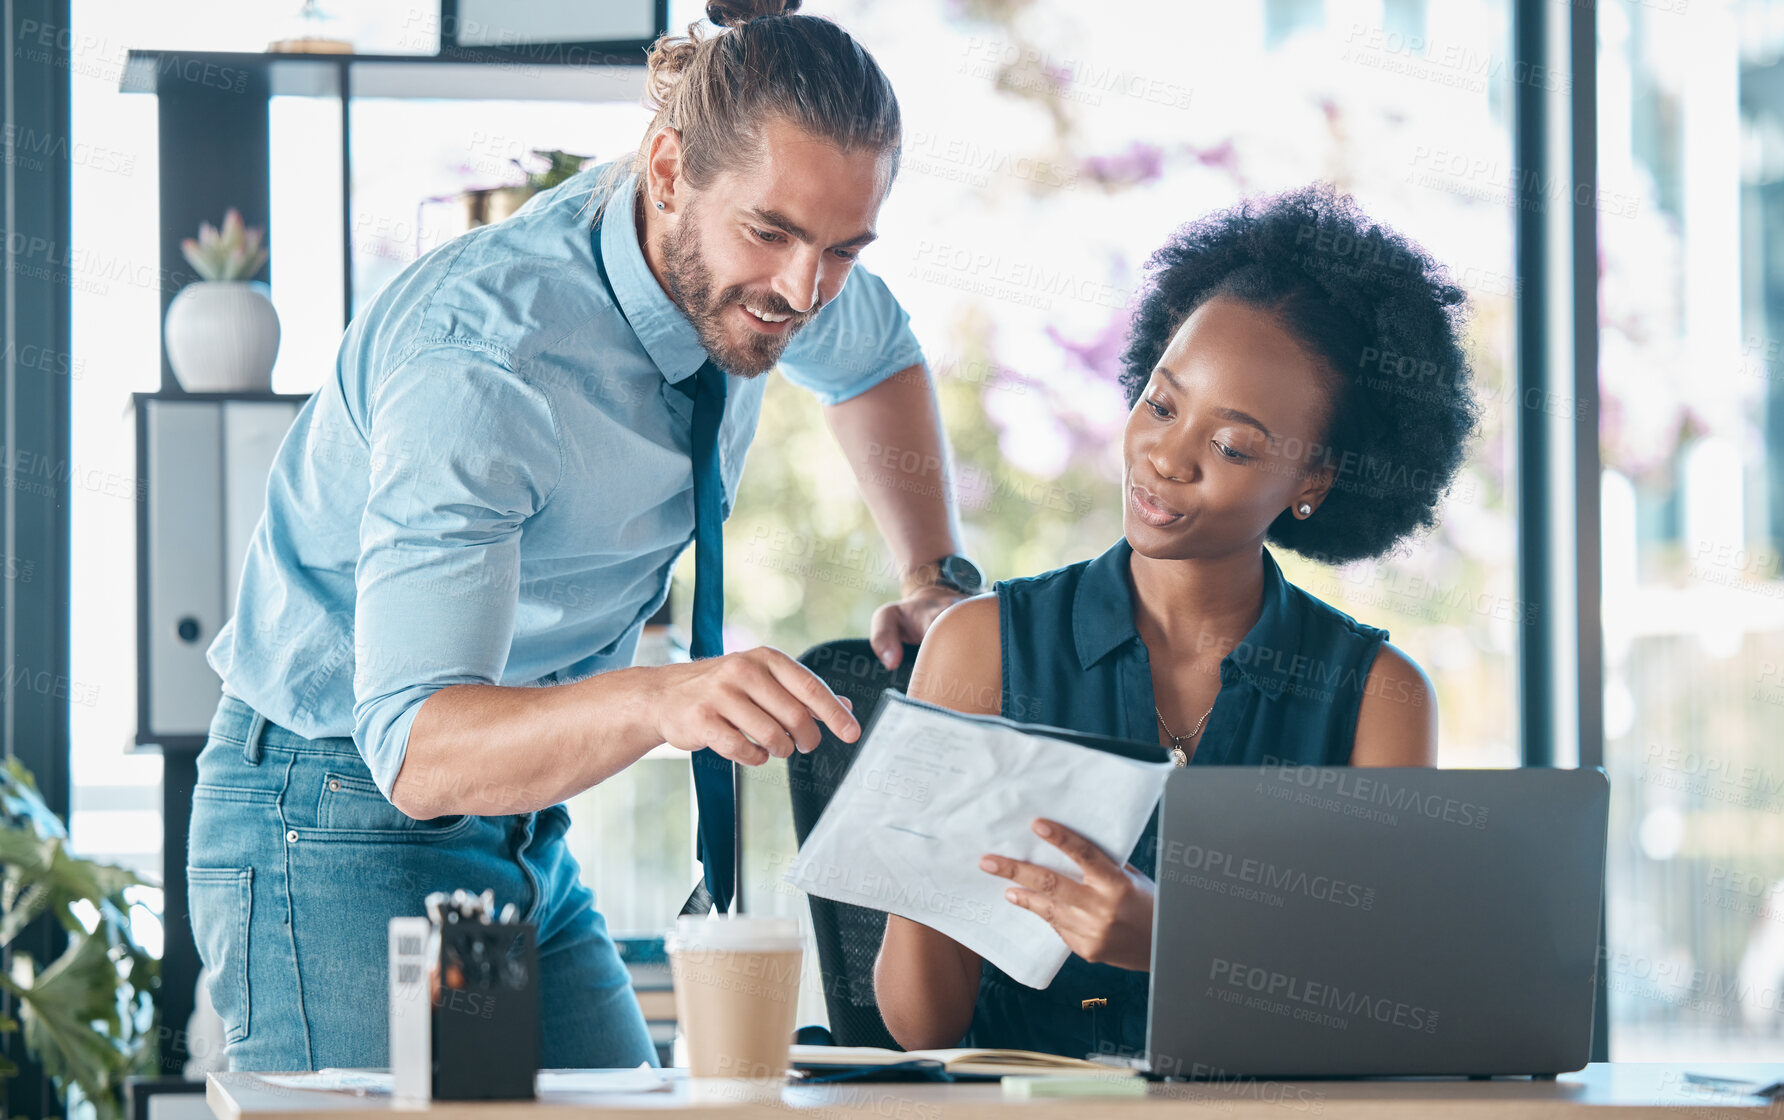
[352, 807]
[221, 901]
[347, 801]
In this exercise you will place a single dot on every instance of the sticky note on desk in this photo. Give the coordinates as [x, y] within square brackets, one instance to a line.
[1095, 1085]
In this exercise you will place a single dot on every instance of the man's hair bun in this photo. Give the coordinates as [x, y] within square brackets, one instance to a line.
[716, 88]
[731, 13]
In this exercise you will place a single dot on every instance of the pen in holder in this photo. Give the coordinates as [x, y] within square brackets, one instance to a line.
[464, 1001]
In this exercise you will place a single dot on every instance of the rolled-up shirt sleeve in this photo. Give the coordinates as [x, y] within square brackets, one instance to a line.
[463, 451]
[861, 338]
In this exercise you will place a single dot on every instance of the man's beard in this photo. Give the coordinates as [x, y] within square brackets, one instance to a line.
[690, 286]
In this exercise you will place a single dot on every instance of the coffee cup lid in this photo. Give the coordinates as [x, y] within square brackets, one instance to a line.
[734, 931]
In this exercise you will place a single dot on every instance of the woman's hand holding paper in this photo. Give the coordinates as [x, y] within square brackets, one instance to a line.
[1106, 919]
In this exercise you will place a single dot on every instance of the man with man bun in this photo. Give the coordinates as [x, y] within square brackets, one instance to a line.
[470, 521]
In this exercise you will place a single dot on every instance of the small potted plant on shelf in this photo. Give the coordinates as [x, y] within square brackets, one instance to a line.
[222, 334]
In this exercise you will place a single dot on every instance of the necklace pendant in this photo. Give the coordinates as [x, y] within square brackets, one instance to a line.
[1179, 755]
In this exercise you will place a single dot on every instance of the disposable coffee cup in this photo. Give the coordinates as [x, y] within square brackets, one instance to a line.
[736, 993]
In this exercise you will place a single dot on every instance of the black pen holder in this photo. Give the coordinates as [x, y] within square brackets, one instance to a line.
[464, 1002]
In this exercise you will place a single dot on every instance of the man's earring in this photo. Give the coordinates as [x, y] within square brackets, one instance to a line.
[659, 204]
[1304, 510]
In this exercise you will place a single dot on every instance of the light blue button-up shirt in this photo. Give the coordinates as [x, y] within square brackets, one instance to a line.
[495, 483]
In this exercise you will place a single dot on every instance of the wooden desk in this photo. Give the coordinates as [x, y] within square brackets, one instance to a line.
[1630, 1089]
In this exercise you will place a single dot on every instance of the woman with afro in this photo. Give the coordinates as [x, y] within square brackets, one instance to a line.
[1297, 380]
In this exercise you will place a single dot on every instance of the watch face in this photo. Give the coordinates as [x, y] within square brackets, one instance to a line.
[962, 573]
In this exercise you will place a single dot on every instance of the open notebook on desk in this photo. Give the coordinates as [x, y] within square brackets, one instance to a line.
[985, 1063]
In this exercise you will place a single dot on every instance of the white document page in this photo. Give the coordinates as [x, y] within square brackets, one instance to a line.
[931, 791]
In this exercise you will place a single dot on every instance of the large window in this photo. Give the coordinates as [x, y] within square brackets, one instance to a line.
[1691, 139]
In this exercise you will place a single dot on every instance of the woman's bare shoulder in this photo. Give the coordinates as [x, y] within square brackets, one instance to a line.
[1397, 720]
[960, 663]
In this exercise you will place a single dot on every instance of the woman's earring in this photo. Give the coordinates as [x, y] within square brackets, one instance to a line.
[1304, 510]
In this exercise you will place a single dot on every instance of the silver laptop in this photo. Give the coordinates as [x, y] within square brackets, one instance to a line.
[1340, 922]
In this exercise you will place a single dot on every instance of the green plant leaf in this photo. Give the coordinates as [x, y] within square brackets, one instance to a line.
[19, 798]
[31, 902]
[69, 1019]
[88, 1017]
[232, 253]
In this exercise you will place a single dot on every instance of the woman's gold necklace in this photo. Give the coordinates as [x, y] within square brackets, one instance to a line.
[1177, 752]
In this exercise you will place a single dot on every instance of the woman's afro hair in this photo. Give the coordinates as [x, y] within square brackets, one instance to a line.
[1383, 317]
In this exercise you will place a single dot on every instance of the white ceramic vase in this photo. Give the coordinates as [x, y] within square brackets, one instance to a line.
[222, 336]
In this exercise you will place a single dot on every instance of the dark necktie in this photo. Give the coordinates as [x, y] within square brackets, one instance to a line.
[715, 782]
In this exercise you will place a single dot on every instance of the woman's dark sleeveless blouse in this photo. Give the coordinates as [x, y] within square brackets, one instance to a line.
[1072, 658]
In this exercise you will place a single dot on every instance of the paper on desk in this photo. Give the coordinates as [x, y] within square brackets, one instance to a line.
[643, 1079]
[931, 791]
[365, 1082]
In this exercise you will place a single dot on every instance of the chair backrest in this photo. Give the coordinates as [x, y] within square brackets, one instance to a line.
[848, 937]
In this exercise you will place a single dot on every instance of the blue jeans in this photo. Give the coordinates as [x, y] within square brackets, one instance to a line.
[295, 867]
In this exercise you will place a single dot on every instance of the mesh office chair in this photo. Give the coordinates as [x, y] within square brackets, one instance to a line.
[848, 937]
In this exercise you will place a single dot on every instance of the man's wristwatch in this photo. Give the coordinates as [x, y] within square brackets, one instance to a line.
[952, 571]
